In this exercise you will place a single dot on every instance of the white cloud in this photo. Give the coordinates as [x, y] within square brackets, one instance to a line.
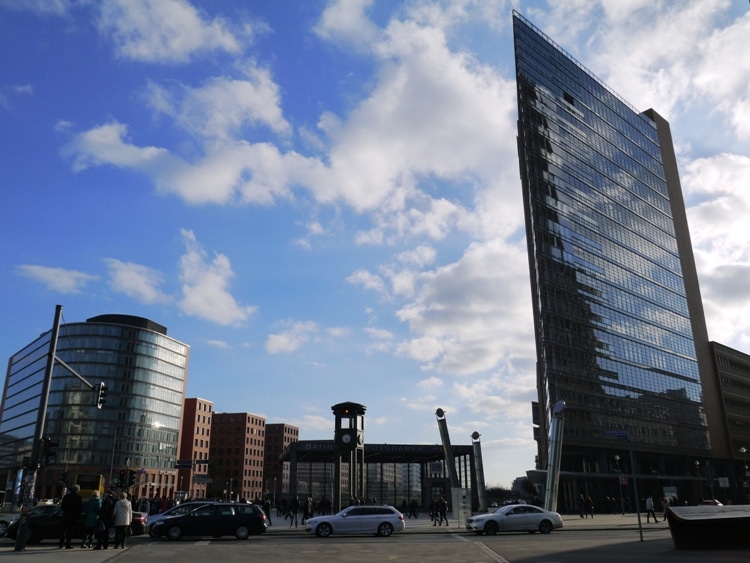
[58, 279]
[430, 383]
[13, 90]
[219, 109]
[158, 31]
[105, 144]
[345, 21]
[460, 309]
[368, 280]
[40, 7]
[289, 340]
[205, 289]
[137, 281]
[219, 344]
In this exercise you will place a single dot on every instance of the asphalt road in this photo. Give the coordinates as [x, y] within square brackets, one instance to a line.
[606, 540]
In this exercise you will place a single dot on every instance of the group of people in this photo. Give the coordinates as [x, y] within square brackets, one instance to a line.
[411, 509]
[585, 506]
[99, 516]
[439, 512]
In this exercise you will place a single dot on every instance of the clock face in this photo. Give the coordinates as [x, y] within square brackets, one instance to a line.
[346, 438]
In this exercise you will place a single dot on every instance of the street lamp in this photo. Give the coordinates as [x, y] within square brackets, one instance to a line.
[619, 483]
[698, 472]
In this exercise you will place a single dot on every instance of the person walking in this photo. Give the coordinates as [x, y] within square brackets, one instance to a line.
[293, 511]
[72, 505]
[413, 508]
[650, 509]
[267, 510]
[589, 507]
[123, 516]
[105, 521]
[91, 519]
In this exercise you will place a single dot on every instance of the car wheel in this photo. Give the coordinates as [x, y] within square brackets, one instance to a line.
[242, 533]
[3, 527]
[385, 530]
[545, 526]
[491, 528]
[174, 533]
[323, 530]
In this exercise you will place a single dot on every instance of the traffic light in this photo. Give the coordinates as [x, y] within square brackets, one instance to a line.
[101, 394]
[123, 478]
[131, 478]
[49, 451]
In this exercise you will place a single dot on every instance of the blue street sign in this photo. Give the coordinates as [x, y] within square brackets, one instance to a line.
[617, 434]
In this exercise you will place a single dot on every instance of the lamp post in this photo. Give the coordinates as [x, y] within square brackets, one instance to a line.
[619, 484]
[743, 451]
[698, 472]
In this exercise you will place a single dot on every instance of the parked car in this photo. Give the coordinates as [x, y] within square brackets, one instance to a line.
[179, 510]
[710, 502]
[378, 520]
[139, 524]
[45, 522]
[215, 520]
[515, 518]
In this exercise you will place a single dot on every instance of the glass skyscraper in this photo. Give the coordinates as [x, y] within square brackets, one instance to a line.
[138, 427]
[619, 325]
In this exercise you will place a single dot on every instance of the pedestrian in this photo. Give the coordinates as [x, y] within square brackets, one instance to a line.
[589, 507]
[650, 509]
[72, 505]
[91, 519]
[581, 505]
[267, 510]
[123, 516]
[413, 506]
[665, 504]
[105, 521]
[293, 511]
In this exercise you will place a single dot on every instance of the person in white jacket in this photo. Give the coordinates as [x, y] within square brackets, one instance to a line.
[122, 516]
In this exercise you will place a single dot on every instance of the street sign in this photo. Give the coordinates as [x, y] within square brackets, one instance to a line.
[202, 479]
[183, 464]
[200, 461]
[617, 434]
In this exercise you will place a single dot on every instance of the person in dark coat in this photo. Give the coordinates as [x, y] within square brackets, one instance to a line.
[105, 521]
[72, 505]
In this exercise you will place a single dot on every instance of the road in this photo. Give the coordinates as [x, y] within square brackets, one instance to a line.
[609, 541]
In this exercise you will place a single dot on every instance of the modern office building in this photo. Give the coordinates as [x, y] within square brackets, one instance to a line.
[137, 429]
[195, 443]
[279, 436]
[237, 450]
[618, 319]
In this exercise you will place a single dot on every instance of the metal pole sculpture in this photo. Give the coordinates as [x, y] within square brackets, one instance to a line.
[479, 468]
[447, 448]
[554, 455]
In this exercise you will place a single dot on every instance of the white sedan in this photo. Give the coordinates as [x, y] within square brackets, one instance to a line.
[515, 518]
[378, 520]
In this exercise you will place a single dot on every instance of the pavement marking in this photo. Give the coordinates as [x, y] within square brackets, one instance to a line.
[490, 553]
[482, 547]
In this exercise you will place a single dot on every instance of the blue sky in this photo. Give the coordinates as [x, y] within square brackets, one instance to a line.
[322, 198]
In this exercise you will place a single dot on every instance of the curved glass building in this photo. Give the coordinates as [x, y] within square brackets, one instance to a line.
[137, 429]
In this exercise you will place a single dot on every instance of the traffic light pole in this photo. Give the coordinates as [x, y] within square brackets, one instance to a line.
[36, 446]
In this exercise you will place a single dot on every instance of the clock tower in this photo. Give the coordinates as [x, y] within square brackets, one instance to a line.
[349, 437]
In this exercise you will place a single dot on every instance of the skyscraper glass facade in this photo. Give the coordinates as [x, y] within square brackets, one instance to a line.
[138, 427]
[613, 327]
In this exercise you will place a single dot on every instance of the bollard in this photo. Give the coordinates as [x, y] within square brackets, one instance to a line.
[23, 524]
